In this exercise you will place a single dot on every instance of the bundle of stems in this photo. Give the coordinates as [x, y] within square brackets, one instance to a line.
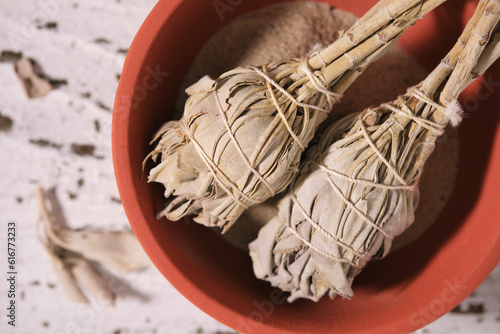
[241, 136]
[358, 187]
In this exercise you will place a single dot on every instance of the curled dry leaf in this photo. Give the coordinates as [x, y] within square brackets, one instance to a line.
[65, 278]
[74, 254]
[34, 84]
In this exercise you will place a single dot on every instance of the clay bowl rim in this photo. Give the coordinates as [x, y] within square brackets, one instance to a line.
[128, 179]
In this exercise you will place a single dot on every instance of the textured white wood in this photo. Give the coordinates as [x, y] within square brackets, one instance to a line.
[84, 49]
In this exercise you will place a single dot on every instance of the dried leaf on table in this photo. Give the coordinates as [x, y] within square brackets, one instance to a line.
[119, 250]
[74, 255]
[91, 280]
[34, 84]
[65, 278]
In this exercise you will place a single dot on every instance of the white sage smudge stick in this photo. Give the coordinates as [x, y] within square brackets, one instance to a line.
[57, 255]
[241, 137]
[358, 187]
[91, 280]
[74, 253]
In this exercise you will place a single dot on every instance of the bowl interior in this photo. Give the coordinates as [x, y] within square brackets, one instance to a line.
[405, 291]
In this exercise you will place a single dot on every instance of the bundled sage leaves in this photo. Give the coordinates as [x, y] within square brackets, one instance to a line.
[241, 136]
[358, 186]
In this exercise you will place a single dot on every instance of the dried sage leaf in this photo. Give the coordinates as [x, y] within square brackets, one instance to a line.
[117, 250]
[73, 254]
[92, 281]
[66, 279]
[33, 83]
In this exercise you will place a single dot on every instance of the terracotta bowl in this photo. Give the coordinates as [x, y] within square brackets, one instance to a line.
[399, 294]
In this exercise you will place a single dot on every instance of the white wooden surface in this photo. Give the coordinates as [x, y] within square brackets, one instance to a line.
[87, 49]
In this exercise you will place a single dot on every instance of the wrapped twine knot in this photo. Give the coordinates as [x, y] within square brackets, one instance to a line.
[453, 113]
[280, 96]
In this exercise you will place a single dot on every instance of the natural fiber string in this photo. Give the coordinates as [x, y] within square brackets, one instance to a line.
[353, 207]
[322, 230]
[378, 153]
[287, 94]
[361, 181]
[405, 111]
[429, 125]
[320, 251]
[283, 116]
[317, 54]
[319, 83]
[237, 144]
[213, 167]
[269, 82]
[452, 111]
